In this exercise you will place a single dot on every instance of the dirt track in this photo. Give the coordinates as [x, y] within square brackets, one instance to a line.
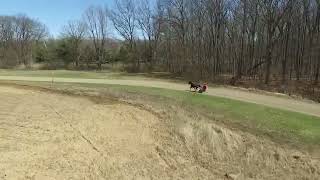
[52, 136]
[268, 100]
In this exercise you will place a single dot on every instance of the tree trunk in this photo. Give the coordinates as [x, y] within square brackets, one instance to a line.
[316, 80]
[268, 66]
[284, 61]
[270, 31]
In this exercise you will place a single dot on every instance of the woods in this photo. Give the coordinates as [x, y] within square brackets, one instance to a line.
[18, 35]
[261, 43]
[245, 38]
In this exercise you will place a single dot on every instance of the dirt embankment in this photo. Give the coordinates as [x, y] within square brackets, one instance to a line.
[45, 135]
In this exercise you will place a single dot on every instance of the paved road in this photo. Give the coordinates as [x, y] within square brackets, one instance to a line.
[268, 100]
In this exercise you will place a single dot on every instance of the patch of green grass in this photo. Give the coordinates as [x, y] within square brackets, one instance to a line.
[62, 74]
[86, 74]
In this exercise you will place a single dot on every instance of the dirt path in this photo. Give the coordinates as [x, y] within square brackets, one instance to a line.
[52, 136]
[268, 100]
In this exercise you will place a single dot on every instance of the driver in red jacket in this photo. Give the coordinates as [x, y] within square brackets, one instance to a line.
[203, 88]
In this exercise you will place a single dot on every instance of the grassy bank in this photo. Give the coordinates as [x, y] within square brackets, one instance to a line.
[265, 120]
[279, 125]
[86, 74]
[61, 74]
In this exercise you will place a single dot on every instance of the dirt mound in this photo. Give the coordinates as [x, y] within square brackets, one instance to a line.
[52, 136]
[245, 156]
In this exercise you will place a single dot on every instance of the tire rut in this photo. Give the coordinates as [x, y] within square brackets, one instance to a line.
[86, 139]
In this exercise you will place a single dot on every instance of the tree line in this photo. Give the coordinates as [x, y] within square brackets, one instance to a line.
[266, 42]
[269, 43]
[18, 36]
[261, 39]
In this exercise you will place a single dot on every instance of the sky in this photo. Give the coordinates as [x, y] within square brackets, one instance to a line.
[54, 13]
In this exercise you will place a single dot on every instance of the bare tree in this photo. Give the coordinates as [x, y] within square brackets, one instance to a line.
[124, 20]
[75, 32]
[146, 23]
[317, 31]
[6, 39]
[96, 19]
[274, 11]
[26, 32]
